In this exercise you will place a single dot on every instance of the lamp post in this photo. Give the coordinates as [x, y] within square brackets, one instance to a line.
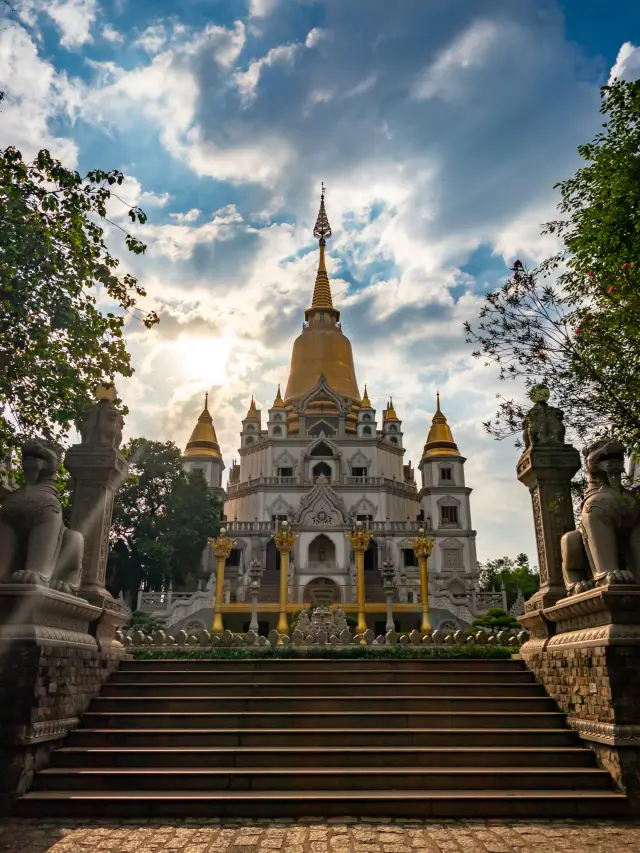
[422, 548]
[389, 579]
[284, 540]
[221, 547]
[359, 540]
[255, 572]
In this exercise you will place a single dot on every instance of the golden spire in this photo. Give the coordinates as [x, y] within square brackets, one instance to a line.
[391, 412]
[253, 412]
[278, 403]
[322, 300]
[203, 441]
[366, 402]
[440, 439]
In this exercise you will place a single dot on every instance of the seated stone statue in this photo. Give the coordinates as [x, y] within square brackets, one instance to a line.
[35, 546]
[543, 423]
[606, 547]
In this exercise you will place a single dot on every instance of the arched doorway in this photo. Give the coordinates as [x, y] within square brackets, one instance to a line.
[273, 557]
[321, 469]
[322, 591]
[322, 553]
[371, 556]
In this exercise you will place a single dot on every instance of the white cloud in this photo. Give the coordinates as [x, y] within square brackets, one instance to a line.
[189, 216]
[261, 8]
[627, 66]
[109, 33]
[35, 94]
[153, 39]
[74, 19]
[446, 76]
[247, 81]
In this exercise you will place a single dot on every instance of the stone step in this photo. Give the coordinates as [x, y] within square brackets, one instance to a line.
[308, 665]
[323, 720]
[168, 689]
[275, 804]
[328, 677]
[317, 779]
[341, 756]
[294, 704]
[162, 738]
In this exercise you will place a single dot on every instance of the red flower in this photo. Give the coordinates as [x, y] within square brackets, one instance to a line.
[577, 331]
[591, 273]
[517, 263]
[625, 266]
[612, 288]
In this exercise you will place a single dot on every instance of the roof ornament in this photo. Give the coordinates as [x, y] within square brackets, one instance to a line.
[322, 228]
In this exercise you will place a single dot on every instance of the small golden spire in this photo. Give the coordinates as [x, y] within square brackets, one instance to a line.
[253, 412]
[391, 412]
[203, 441]
[440, 439]
[322, 300]
[366, 402]
[278, 403]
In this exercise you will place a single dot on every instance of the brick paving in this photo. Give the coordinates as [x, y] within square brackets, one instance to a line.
[345, 835]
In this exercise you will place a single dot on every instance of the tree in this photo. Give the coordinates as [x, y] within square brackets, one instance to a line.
[516, 575]
[580, 335]
[56, 345]
[162, 519]
[498, 619]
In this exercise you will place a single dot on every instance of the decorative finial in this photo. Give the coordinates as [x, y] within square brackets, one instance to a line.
[322, 228]
[206, 400]
[438, 401]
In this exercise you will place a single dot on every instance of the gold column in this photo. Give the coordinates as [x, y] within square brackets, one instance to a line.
[221, 547]
[284, 540]
[359, 540]
[422, 548]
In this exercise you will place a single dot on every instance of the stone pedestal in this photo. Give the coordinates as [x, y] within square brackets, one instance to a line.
[50, 669]
[590, 665]
[97, 474]
[547, 471]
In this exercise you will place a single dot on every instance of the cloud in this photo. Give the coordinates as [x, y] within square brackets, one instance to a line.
[627, 65]
[153, 39]
[189, 216]
[74, 19]
[112, 35]
[261, 8]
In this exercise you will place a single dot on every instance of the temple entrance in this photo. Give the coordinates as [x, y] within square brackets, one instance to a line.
[371, 556]
[273, 557]
[322, 591]
[321, 470]
[322, 553]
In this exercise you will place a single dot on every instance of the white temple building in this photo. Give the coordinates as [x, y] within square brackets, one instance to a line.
[321, 458]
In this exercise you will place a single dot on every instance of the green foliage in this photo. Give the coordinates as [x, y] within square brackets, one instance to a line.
[496, 618]
[162, 519]
[56, 346]
[346, 653]
[581, 335]
[513, 574]
[146, 622]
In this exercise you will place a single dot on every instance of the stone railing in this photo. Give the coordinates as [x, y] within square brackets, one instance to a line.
[162, 641]
[345, 480]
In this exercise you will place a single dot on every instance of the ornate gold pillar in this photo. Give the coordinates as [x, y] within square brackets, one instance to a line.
[284, 540]
[422, 548]
[221, 547]
[359, 540]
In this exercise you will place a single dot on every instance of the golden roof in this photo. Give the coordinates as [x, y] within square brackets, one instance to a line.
[203, 441]
[391, 412]
[252, 412]
[366, 402]
[440, 439]
[322, 349]
[278, 403]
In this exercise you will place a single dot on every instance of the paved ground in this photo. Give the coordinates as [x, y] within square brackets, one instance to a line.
[302, 836]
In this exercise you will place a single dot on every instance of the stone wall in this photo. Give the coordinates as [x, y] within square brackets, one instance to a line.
[43, 691]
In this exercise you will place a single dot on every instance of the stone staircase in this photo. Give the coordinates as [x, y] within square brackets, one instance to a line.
[267, 738]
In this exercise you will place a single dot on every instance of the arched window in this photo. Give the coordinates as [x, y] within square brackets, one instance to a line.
[366, 430]
[321, 469]
[277, 430]
[249, 439]
[250, 428]
[393, 439]
[277, 417]
[367, 418]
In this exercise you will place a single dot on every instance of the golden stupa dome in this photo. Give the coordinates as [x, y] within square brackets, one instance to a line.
[252, 413]
[440, 439]
[322, 349]
[203, 441]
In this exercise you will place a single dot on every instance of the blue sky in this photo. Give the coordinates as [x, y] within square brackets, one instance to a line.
[438, 127]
